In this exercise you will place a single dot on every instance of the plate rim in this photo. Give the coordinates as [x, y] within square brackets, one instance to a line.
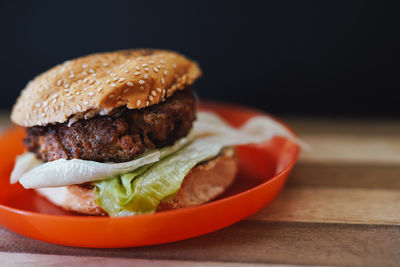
[203, 105]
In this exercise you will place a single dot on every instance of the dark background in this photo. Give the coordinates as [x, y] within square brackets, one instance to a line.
[286, 57]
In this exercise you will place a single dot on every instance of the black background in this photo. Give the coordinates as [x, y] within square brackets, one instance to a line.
[336, 58]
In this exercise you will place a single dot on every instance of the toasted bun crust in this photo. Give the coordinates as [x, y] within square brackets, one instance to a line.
[202, 184]
[98, 83]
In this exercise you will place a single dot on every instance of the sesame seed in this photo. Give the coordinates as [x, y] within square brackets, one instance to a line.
[121, 79]
[115, 79]
[46, 109]
[146, 69]
[71, 76]
[79, 107]
[54, 96]
[162, 60]
[159, 66]
[151, 61]
[59, 82]
[146, 76]
[86, 79]
[91, 93]
[62, 103]
[108, 71]
[147, 103]
[127, 71]
[71, 97]
[141, 82]
[105, 64]
[37, 105]
[111, 96]
[165, 72]
[162, 80]
[108, 81]
[137, 73]
[114, 74]
[155, 69]
[77, 93]
[153, 93]
[94, 74]
[125, 90]
[159, 90]
[85, 103]
[137, 67]
[91, 70]
[54, 101]
[144, 64]
[138, 102]
[129, 83]
[151, 98]
[84, 73]
[113, 85]
[99, 89]
[52, 110]
[85, 89]
[91, 81]
[66, 90]
[84, 66]
[42, 114]
[45, 103]
[66, 85]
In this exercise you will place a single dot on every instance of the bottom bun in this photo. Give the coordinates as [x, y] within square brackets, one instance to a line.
[203, 183]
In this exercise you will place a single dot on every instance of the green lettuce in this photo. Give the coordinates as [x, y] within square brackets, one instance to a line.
[142, 190]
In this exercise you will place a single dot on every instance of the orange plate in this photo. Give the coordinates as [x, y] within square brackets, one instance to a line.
[264, 169]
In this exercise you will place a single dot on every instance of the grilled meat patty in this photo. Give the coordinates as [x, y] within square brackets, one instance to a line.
[116, 138]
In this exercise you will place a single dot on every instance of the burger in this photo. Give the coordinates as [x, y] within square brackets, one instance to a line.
[118, 134]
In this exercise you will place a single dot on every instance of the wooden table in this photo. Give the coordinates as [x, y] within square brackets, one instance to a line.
[341, 206]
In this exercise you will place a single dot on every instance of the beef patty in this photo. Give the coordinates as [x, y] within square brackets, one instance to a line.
[119, 137]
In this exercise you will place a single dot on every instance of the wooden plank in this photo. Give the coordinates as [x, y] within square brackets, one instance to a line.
[4, 120]
[349, 149]
[26, 259]
[334, 205]
[345, 175]
[344, 126]
[254, 242]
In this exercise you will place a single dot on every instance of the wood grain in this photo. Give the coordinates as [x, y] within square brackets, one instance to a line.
[26, 259]
[255, 242]
[334, 205]
[340, 207]
[345, 175]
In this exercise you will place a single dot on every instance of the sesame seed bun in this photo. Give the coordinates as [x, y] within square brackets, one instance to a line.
[99, 83]
[202, 184]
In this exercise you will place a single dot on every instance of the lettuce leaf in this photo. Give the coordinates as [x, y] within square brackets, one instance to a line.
[142, 191]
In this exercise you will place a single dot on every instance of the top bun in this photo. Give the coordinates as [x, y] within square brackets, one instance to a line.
[99, 83]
